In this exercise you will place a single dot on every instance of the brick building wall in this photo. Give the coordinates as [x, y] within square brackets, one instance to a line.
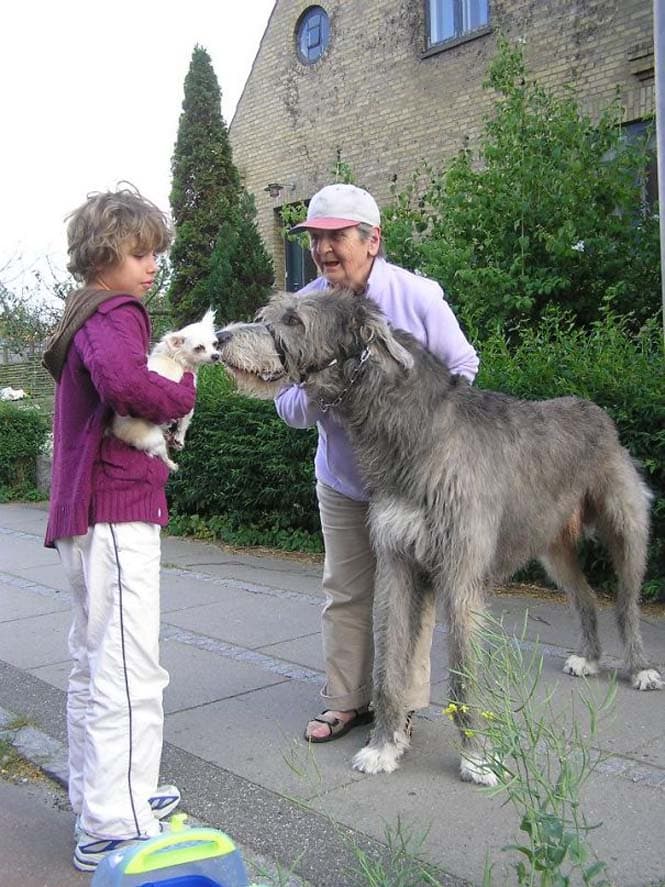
[385, 104]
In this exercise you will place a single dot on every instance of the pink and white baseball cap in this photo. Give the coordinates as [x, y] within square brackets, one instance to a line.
[340, 206]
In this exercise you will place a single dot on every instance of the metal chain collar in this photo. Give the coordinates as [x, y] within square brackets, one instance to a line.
[324, 405]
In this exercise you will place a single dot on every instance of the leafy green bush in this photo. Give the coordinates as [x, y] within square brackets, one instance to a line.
[245, 476]
[621, 371]
[551, 211]
[23, 434]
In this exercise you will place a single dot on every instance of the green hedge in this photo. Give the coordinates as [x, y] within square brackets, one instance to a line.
[23, 434]
[247, 478]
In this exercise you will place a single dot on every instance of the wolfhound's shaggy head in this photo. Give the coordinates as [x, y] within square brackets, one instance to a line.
[296, 338]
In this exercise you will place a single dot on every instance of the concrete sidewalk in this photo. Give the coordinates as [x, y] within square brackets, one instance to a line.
[240, 638]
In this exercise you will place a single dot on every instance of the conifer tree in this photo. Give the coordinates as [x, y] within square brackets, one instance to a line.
[241, 271]
[210, 207]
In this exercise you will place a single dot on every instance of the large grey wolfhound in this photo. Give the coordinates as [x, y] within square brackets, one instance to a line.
[465, 486]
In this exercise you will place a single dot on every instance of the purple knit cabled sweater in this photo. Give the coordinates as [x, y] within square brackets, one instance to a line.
[96, 477]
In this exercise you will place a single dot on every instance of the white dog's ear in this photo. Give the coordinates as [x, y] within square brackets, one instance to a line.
[174, 341]
[209, 317]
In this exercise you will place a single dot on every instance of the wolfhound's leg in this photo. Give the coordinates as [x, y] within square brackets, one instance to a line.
[623, 523]
[398, 605]
[464, 612]
[562, 564]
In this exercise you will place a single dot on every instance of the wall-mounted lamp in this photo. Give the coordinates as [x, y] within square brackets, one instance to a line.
[274, 188]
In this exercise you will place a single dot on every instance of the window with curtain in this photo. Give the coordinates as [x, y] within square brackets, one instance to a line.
[452, 19]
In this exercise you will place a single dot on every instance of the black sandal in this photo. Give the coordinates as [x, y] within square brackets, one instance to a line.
[336, 726]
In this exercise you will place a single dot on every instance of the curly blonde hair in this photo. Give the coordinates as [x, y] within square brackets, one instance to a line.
[111, 224]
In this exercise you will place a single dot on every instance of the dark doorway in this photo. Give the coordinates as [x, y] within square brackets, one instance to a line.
[300, 269]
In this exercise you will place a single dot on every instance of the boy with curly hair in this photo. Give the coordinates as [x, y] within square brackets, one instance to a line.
[106, 509]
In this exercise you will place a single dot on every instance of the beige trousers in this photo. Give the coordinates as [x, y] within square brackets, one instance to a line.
[346, 621]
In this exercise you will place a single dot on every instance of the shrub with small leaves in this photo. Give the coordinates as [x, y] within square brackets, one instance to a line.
[245, 476]
[23, 435]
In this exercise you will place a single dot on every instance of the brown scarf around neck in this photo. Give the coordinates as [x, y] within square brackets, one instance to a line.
[79, 306]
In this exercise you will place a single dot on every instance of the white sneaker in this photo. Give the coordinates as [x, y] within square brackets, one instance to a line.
[90, 850]
[164, 801]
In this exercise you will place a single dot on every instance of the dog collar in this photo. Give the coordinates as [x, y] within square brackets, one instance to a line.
[324, 405]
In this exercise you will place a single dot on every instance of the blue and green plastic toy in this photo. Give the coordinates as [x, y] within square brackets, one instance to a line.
[181, 857]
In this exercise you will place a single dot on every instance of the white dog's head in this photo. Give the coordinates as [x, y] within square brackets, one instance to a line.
[194, 344]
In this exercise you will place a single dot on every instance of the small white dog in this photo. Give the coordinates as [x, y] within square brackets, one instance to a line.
[175, 354]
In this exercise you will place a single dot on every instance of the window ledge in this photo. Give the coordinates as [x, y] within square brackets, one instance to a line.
[456, 41]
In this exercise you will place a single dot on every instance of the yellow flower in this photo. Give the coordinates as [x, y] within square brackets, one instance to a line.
[469, 733]
[454, 708]
[488, 715]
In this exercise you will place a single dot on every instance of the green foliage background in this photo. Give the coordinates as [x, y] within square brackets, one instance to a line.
[241, 271]
[23, 434]
[551, 210]
[245, 477]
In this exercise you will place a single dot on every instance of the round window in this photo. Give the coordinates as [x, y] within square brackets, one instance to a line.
[312, 34]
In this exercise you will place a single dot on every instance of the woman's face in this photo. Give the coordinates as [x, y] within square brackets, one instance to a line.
[343, 257]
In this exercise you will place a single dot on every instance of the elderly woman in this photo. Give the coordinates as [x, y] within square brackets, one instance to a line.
[344, 226]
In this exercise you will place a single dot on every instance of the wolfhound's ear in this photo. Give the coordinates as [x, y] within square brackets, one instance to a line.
[376, 330]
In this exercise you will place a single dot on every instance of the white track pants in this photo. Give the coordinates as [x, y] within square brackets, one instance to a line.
[114, 700]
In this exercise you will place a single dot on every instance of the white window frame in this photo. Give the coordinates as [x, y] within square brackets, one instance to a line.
[454, 20]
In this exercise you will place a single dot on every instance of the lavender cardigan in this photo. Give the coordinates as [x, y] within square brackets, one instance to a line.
[97, 478]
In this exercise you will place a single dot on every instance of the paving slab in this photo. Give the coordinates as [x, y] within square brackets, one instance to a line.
[226, 734]
[56, 674]
[35, 640]
[248, 619]
[31, 810]
[15, 604]
[49, 573]
[21, 549]
[198, 677]
[553, 622]
[305, 650]
[294, 575]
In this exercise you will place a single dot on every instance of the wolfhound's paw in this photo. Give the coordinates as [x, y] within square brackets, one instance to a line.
[580, 666]
[378, 759]
[648, 679]
[474, 768]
